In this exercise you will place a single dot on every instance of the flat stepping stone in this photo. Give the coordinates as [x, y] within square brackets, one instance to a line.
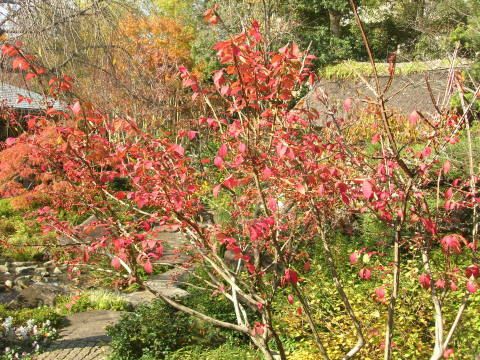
[139, 298]
[84, 338]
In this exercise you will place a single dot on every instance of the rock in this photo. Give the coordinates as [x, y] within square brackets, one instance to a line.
[39, 270]
[139, 297]
[4, 268]
[23, 281]
[9, 284]
[45, 274]
[37, 295]
[23, 263]
[37, 278]
[165, 290]
[48, 263]
[23, 270]
[57, 271]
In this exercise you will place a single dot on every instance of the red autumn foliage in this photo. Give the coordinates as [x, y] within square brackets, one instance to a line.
[285, 182]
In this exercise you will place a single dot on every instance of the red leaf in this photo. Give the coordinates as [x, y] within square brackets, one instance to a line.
[148, 267]
[354, 257]
[472, 271]
[281, 150]
[446, 166]
[291, 276]
[192, 134]
[290, 298]
[9, 50]
[30, 76]
[31, 123]
[267, 173]
[218, 79]
[210, 16]
[230, 182]
[301, 189]
[76, 108]
[449, 193]
[347, 104]
[179, 149]
[20, 63]
[116, 263]
[258, 329]
[380, 294]
[448, 353]
[307, 266]
[218, 162]
[413, 118]
[272, 204]
[216, 190]
[365, 274]
[222, 151]
[452, 243]
[425, 281]
[440, 283]
[10, 141]
[120, 195]
[367, 189]
[471, 287]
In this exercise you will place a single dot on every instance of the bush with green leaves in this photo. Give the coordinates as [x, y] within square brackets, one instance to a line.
[39, 315]
[92, 300]
[151, 331]
[26, 331]
[157, 331]
[225, 351]
[22, 237]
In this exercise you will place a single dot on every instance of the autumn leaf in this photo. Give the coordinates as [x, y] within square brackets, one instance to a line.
[365, 274]
[452, 243]
[425, 281]
[367, 189]
[116, 263]
[446, 167]
[472, 271]
[76, 108]
[413, 118]
[148, 267]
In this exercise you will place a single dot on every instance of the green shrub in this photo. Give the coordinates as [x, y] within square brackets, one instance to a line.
[152, 331]
[226, 351]
[92, 300]
[5, 208]
[157, 330]
[23, 236]
[40, 315]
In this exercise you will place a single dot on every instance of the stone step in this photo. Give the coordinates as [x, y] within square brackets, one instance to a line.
[167, 291]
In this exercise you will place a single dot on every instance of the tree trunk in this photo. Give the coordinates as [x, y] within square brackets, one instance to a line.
[335, 17]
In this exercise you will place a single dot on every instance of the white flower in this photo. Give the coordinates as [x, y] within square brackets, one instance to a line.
[30, 323]
[7, 324]
[23, 331]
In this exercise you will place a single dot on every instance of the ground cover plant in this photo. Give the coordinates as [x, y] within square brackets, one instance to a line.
[313, 224]
[27, 331]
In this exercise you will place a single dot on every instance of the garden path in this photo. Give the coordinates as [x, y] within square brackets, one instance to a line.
[85, 336]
